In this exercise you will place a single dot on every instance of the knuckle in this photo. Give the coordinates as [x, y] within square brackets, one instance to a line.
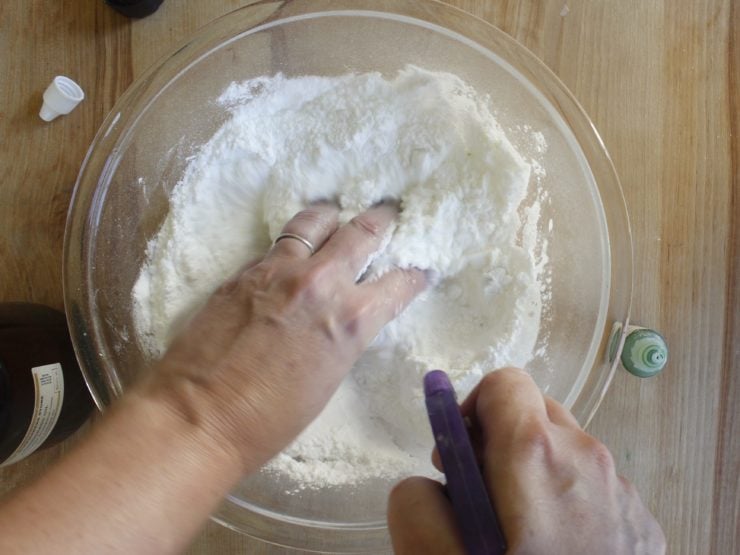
[256, 278]
[352, 327]
[311, 217]
[506, 383]
[368, 226]
[354, 317]
[627, 487]
[318, 275]
[504, 377]
[492, 380]
[331, 329]
[244, 285]
[228, 287]
[600, 455]
[309, 284]
[298, 285]
[530, 441]
[656, 543]
[535, 437]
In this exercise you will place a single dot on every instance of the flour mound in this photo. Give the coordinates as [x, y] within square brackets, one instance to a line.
[426, 139]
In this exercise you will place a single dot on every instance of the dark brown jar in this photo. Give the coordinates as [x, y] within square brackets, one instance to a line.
[43, 396]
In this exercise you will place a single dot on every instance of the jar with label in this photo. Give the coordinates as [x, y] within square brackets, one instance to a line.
[43, 396]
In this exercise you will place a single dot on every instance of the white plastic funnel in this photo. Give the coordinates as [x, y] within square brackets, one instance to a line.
[60, 97]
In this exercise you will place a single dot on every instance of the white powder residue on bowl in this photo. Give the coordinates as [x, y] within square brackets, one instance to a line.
[425, 138]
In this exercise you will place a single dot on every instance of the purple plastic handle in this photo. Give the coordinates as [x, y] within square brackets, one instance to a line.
[476, 518]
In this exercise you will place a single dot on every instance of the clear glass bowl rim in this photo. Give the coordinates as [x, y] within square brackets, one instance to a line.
[99, 164]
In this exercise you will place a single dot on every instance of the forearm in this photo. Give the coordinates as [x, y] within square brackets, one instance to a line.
[143, 481]
[251, 369]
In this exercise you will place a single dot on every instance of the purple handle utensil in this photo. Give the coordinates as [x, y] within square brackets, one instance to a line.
[476, 518]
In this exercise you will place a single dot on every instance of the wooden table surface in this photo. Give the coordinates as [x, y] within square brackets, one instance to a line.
[659, 79]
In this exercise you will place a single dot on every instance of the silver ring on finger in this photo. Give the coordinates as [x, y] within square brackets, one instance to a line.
[303, 240]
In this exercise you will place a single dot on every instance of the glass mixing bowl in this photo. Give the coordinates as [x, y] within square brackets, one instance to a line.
[141, 150]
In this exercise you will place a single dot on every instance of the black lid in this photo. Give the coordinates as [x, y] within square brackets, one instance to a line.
[135, 8]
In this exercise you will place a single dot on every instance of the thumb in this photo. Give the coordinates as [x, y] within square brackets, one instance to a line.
[421, 520]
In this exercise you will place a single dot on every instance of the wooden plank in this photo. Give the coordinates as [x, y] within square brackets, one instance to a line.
[659, 79]
[726, 508]
[40, 161]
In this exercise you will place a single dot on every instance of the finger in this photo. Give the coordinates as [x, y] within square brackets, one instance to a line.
[356, 242]
[229, 285]
[421, 520]
[315, 224]
[382, 300]
[467, 407]
[559, 415]
[511, 413]
[493, 408]
[437, 460]
[507, 403]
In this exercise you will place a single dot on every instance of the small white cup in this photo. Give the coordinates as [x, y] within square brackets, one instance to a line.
[60, 97]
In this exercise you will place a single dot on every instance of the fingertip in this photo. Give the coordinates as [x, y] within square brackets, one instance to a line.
[412, 483]
[437, 460]
[386, 207]
[421, 519]
[327, 202]
[420, 278]
[412, 284]
[388, 201]
[504, 398]
[515, 371]
[410, 492]
[432, 277]
[506, 378]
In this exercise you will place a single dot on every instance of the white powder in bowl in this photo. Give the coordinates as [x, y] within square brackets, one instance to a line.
[424, 138]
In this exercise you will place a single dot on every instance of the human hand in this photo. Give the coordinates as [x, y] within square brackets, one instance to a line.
[259, 362]
[554, 487]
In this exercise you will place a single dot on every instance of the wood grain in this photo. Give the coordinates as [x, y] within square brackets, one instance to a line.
[660, 80]
[726, 508]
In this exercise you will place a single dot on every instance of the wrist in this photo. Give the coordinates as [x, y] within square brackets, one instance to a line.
[205, 414]
[157, 473]
[166, 409]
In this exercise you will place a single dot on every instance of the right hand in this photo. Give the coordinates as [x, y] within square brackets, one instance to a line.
[554, 487]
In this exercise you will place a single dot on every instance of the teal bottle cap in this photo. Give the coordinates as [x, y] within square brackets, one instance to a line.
[645, 352]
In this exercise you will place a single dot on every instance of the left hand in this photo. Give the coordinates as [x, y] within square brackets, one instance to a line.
[259, 362]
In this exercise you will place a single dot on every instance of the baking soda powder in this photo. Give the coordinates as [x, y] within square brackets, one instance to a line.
[424, 138]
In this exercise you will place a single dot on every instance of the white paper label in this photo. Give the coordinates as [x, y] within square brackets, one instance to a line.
[48, 381]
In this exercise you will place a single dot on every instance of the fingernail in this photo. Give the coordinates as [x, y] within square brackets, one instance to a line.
[388, 201]
[520, 371]
[324, 202]
[433, 278]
